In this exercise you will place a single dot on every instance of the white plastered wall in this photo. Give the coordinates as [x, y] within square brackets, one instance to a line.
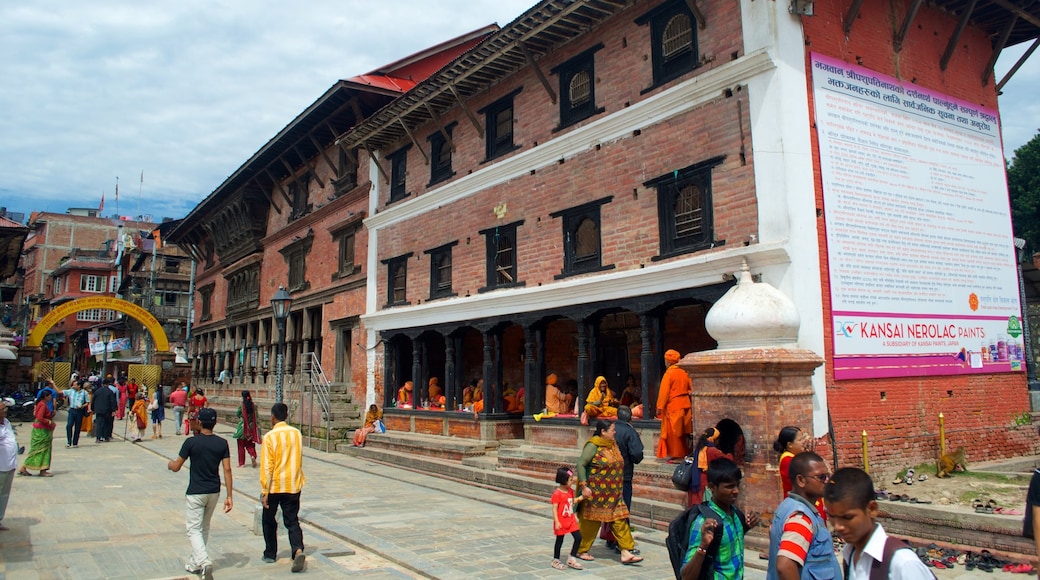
[782, 153]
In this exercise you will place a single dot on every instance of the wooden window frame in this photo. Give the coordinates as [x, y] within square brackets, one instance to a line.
[496, 145]
[492, 238]
[669, 186]
[673, 67]
[398, 174]
[567, 71]
[438, 145]
[393, 266]
[571, 219]
[437, 289]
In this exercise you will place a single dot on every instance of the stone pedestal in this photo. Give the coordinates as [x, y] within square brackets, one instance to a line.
[761, 390]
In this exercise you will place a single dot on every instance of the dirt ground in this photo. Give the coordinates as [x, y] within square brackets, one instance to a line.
[1005, 488]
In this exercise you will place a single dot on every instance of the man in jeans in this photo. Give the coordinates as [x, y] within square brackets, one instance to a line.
[78, 401]
[281, 481]
[207, 452]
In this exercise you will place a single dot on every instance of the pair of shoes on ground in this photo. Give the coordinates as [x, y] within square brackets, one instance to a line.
[571, 563]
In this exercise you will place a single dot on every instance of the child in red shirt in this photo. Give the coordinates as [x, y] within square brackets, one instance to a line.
[564, 520]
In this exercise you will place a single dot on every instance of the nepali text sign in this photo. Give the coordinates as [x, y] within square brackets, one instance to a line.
[923, 276]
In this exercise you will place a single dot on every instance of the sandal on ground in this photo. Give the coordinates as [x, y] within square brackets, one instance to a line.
[23, 472]
[46, 473]
[586, 556]
[558, 565]
[632, 560]
[572, 563]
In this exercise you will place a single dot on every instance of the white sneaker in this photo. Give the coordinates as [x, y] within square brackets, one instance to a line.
[190, 570]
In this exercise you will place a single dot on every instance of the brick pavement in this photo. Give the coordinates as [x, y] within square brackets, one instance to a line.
[114, 511]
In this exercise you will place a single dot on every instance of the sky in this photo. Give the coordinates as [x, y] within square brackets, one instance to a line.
[169, 98]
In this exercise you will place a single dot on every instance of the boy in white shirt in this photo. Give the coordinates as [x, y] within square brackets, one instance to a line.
[852, 510]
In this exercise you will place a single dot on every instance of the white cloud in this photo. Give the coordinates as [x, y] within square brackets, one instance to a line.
[187, 91]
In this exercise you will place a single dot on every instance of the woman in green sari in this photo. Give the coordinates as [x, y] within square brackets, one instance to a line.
[42, 437]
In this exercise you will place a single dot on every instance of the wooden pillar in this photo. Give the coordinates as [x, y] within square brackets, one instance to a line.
[583, 363]
[533, 386]
[487, 370]
[646, 360]
[452, 390]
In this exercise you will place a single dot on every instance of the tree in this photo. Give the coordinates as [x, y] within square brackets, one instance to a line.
[1023, 174]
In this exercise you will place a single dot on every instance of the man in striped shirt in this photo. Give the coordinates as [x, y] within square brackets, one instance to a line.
[800, 546]
[281, 481]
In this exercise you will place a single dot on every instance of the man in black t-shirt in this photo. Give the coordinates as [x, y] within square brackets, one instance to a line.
[207, 453]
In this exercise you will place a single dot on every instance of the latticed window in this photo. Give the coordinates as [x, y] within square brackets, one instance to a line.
[578, 87]
[673, 40]
[500, 244]
[440, 271]
[689, 212]
[505, 260]
[440, 155]
[581, 88]
[684, 205]
[677, 36]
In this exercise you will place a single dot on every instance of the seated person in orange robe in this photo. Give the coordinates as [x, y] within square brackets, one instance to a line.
[601, 401]
[436, 394]
[467, 395]
[514, 399]
[404, 396]
[478, 396]
[557, 401]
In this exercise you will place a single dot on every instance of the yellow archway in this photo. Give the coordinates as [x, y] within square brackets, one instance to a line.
[103, 302]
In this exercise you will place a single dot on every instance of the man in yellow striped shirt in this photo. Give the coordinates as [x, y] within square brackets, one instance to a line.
[281, 481]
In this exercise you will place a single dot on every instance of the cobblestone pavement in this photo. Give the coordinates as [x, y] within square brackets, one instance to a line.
[114, 511]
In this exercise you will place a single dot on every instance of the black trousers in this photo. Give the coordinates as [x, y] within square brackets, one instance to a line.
[290, 504]
[100, 425]
[73, 425]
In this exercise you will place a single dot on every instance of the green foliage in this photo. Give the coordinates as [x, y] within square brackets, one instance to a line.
[1023, 418]
[1023, 174]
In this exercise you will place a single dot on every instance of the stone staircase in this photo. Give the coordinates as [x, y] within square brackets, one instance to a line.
[344, 414]
[512, 466]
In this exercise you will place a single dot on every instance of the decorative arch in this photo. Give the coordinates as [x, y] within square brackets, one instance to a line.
[162, 344]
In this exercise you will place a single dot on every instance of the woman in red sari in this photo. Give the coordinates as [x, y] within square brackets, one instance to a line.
[247, 433]
[42, 437]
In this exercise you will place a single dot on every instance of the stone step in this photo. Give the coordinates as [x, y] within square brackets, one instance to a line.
[479, 470]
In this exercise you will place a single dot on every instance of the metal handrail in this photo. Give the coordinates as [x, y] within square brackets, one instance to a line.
[312, 376]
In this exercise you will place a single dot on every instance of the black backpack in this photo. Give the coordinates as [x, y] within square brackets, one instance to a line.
[678, 540]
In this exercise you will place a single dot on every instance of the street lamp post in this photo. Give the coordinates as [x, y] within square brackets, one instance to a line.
[106, 337]
[280, 304]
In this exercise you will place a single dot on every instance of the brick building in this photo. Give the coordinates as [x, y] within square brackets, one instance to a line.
[574, 192]
[291, 216]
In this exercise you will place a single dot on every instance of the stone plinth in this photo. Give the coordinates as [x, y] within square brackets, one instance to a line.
[761, 390]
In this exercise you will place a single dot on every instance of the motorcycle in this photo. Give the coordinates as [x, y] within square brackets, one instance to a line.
[22, 411]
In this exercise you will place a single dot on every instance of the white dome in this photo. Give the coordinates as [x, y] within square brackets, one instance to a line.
[753, 314]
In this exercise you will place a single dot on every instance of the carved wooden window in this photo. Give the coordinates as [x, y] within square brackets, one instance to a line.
[501, 251]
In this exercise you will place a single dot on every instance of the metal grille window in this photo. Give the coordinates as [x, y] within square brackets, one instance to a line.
[673, 41]
[677, 36]
[684, 206]
[689, 212]
[578, 87]
[501, 256]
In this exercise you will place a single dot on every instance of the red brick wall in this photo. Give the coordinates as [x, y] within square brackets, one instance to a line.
[902, 426]
[618, 169]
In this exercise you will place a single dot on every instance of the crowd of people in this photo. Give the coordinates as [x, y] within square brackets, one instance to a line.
[280, 458]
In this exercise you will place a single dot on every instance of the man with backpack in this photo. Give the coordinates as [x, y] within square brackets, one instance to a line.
[800, 546]
[713, 532]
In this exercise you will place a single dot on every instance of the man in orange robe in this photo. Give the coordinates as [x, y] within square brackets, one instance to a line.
[673, 408]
